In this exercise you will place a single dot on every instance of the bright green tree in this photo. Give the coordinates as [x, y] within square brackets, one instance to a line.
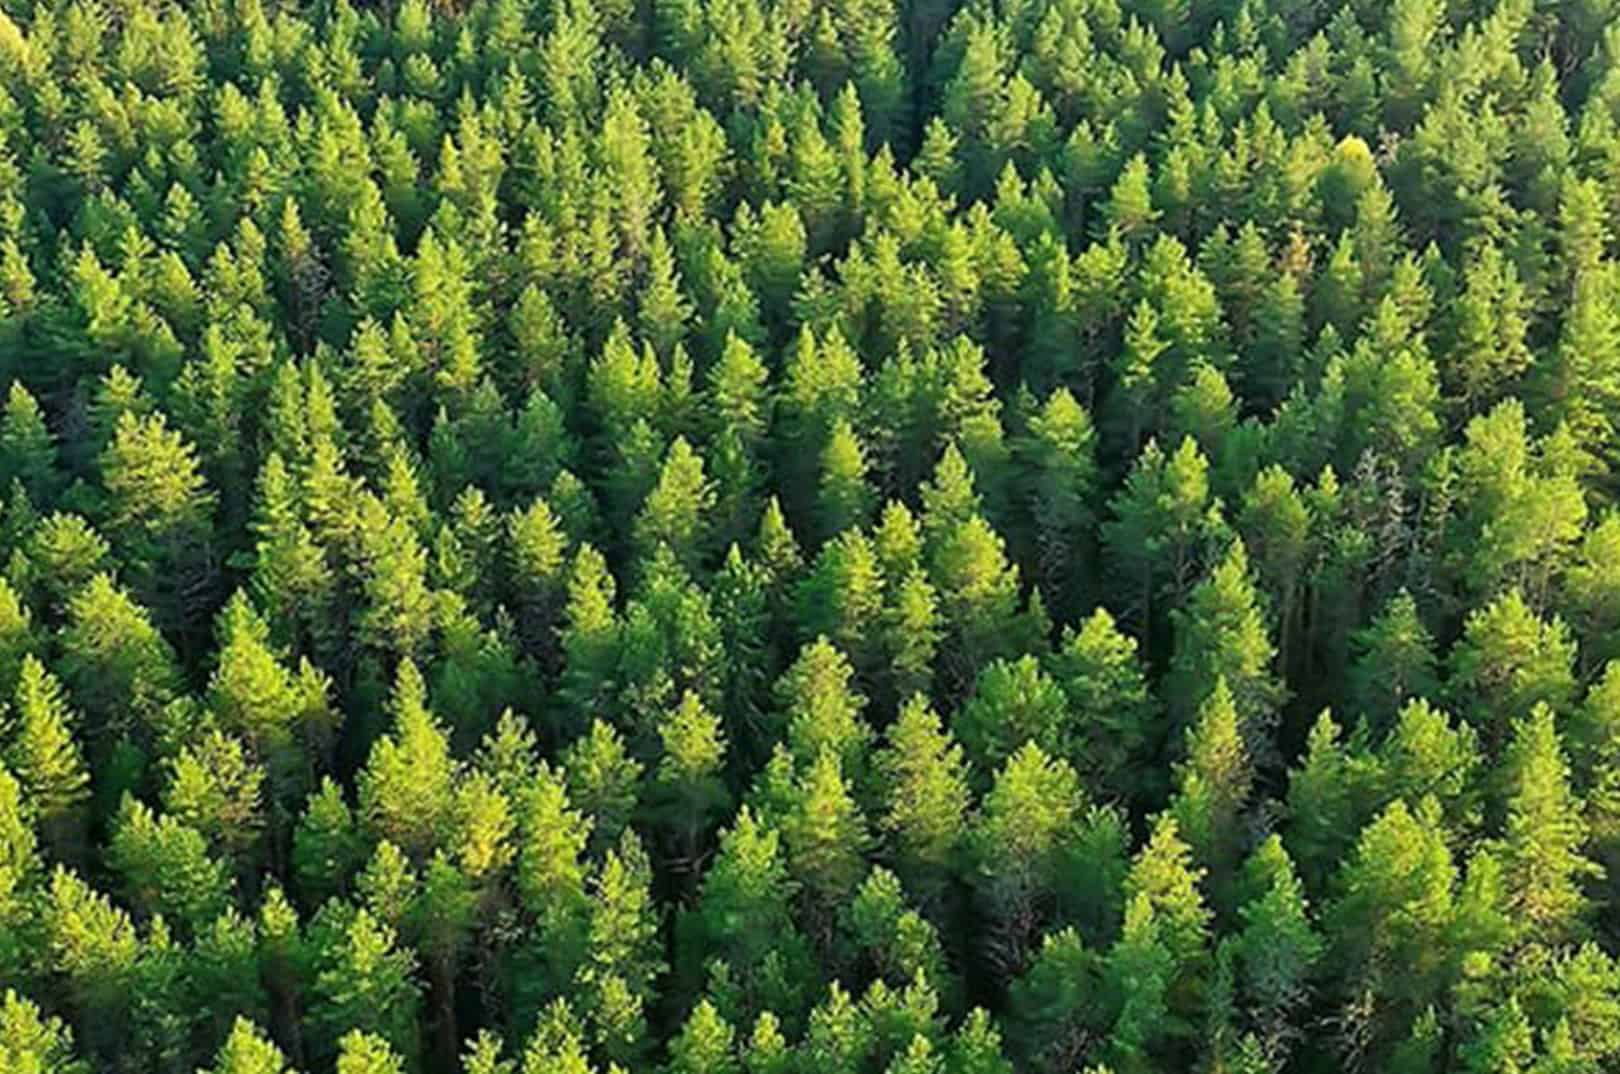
[248, 1051]
[406, 788]
[1544, 866]
[47, 758]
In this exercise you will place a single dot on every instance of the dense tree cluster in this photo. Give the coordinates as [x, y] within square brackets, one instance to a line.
[809, 537]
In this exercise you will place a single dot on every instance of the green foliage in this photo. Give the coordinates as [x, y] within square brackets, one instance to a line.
[43, 752]
[30, 1041]
[1012, 704]
[247, 1051]
[405, 790]
[1213, 784]
[926, 780]
[1113, 710]
[715, 536]
[362, 985]
[1508, 660]
[1543, 837]
[1223, 634]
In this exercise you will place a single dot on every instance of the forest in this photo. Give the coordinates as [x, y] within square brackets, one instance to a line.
[809, 537]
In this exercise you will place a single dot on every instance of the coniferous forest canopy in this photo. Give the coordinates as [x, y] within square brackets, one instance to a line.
[809, 537]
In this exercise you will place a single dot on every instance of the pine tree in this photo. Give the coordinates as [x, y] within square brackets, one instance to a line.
[842, 598]
[226, 970]
[976, 1046]
[1055, 1004]
[1203, 407]
[397, 613]
[1223, 634]
[153, 477]
[482, 1055]
[918, 1058]
[737, 393]
[19, 874]
[93, 946]
[898, 942]
[28, 452]
[166, 866]
[1425, 754]
[30, 1041]
[1130, 208]
[1521, 510]
[927, 797]
[604, 781]
[675, 511]
[442, 919]
[843, 498]
[664, 309]
[1395, 901]
[742, 611]
[820, 707]
[1275, 525]
[363, 987]
[1507, 661]
[1336, 301]
[775, 545]
[326, 846]
[1142, 375]
[826, 835]
[623, 932]
[744, 918]
[254, 694]
[1486, 330]
[1578, 383]
[1592, 590]
[214, 787]
[912, 633]
[591, 634]
[772, 246]
[766, 1052]
[1060, 472]
[822, 384]
[1278, 946]
[704, 1045]
[47, 758]
[840, 1034]
[119, 668]
[17, 635]
[1014, 702]
[1153, 540]
[247, 1051]
[1163, 875]
[406, 789]
[1395, 661]
[689, 788]
[387, 886]
[64, 552]
[1027, 817]
[291, 575]
[550, 875]
[968, 565]
[1545, 833]
[366, 1053]
[156, 488]
[1138, 973]
[1213, 785]
[1321, 806]
[485, 827]
[1113, 712]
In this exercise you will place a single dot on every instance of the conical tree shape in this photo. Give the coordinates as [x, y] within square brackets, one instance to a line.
[44, 752]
